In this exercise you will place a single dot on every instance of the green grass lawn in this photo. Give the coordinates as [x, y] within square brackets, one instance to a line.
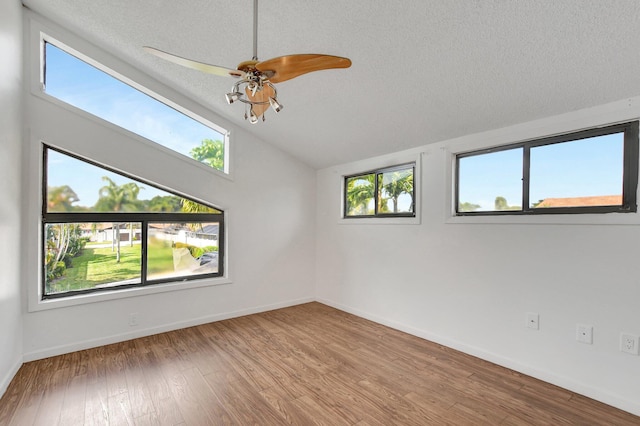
[95, 266]
[160, 257]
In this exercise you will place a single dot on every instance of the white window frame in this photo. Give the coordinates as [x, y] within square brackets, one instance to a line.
[65, 139]
[41, 33]
[614, 113]
[629, 179]
[379, 163]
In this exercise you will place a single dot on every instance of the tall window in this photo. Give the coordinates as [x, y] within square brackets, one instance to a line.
[93, 90]
[594, 171]
[102, 230]
[380, 193]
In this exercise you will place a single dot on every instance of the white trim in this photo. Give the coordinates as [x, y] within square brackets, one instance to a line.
[379, 164]
[92, 343]
[605, 115]
[37, 304]
[39, 29]
[546, 376]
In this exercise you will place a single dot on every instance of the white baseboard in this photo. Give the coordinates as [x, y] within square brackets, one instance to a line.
[6, 380]
[617, 401]
[93, 343]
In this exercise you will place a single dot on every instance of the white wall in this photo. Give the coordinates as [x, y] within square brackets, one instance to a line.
[468, 282]
[10, 156]
[270, 213]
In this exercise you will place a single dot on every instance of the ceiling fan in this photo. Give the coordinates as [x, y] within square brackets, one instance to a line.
[256, 79]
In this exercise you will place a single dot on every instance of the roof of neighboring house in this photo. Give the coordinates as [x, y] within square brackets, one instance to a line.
[211, 229]
[599, 200]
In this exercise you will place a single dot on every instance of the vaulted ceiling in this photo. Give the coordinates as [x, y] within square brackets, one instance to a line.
[423, 70]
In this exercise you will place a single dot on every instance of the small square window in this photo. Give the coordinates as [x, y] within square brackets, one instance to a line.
[387, 192]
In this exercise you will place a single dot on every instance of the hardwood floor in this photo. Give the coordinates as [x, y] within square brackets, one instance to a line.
[309, 364]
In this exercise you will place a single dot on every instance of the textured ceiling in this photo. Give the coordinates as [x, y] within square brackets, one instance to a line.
[423, 70]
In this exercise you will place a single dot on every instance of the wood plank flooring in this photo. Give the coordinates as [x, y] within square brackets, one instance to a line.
[304, 365]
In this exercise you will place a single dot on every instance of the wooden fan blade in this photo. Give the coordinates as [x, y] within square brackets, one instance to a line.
[260, 96]
[200, 66]
[291, 66]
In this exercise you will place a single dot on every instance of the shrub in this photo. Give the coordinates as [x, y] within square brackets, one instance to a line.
[59, 269]
[196, 252]
[67, 262]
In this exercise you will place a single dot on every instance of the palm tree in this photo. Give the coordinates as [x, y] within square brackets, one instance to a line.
[117, 198]
[360, 190]
[61, 198]
[190, 206]
[401, 182]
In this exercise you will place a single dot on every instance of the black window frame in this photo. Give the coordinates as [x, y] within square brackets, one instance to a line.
[629, 178]
[376, 173]
[144, 218]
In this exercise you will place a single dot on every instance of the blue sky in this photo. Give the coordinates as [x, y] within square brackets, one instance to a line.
[86, 179]
[94, 91]
[588, 167]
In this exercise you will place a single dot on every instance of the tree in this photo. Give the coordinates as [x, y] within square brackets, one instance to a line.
[360, 190]
[117, 198]
[501, 204]
[189, 206]
[210, 152]
[61, 198]
[468, 207]
[401, 182]
[64, 240]
[166, 203]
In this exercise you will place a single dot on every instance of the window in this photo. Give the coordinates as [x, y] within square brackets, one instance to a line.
[102, 230]
[386, 192]
[593, 171]
[76, 82]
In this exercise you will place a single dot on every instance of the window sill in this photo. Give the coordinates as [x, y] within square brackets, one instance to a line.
[380, 221]
[42, 305]
[556, 219]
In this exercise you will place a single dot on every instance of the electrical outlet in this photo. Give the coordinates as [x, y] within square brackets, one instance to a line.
[584, 333]
[629, 343]
[133, 320]
[533, 321]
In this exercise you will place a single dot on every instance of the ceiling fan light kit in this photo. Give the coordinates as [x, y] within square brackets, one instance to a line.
[255, 87]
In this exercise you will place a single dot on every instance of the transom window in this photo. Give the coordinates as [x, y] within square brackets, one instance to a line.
[385, 192]
[103, 230]
[593, 171]
[97, 91]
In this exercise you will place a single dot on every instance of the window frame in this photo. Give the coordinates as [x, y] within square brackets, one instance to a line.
[106, 65]
[629, 178]
[144, 218]
[376, 173]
